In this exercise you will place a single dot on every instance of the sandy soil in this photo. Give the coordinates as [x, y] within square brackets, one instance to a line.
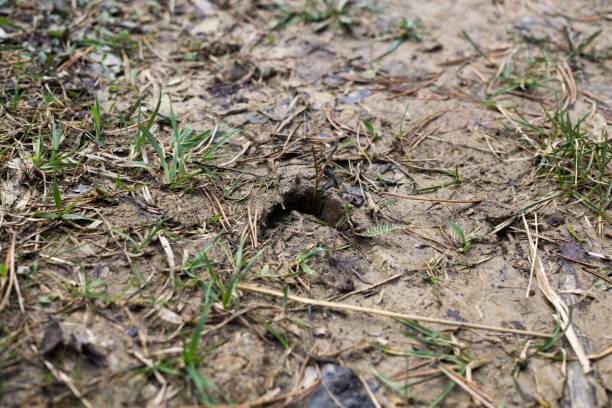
[339, 132]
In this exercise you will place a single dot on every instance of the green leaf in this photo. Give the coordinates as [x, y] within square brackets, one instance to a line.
[57, 196]
[5, 22]
[369, 74]
[191, 353]
[56, 139]
[158, 150]
[307, 269]
[278, 332]
[460, 236]
[76, 217]
[96, 116]
[155, 113]
[45, 300]
[457, 230]
[37, 159]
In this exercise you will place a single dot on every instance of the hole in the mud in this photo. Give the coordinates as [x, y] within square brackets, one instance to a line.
[304, 200]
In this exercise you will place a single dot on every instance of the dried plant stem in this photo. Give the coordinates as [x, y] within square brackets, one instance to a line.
[435, 200]
[557, 303]
[379, 312]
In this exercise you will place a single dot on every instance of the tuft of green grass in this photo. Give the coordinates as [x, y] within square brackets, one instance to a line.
[579, 161]
[120, 41]
[184, 145]
[322, 13]
[192, 357]
[38, 155]
[139, 241]
[532, 77]
[95, 290]
[299, 266]
[15, 99]
[200, 261]
[432, 346]
[241, 266]
[302, 265]
[407, 30]
[50, 160]
[429, 278]
[276, 331]
[62, 212]
[140, 140]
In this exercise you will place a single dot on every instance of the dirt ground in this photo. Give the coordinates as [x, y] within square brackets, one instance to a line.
[195, 193]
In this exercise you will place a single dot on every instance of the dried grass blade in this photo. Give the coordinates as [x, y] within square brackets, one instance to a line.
[387, 313]
[557, 303]
[6, 286]
[469, 387]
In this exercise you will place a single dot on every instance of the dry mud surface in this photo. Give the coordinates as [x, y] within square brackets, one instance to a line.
[388, 165]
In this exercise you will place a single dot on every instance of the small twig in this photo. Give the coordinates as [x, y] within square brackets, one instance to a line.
[599, 356]
[581, 262]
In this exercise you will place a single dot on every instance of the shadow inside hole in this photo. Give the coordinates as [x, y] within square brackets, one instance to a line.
[306, 201]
